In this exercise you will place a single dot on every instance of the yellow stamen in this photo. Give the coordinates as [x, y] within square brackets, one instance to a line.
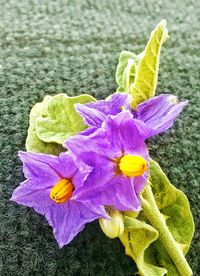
[122, 108]
[173, 100]
[62, 191]
[132, 165]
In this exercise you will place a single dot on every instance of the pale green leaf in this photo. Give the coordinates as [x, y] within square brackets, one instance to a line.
[174, 205]
[126, 69]
[129, 74]
[145, 82]
[33, 143]
[174, 208]
[136, 238]
[60, 120]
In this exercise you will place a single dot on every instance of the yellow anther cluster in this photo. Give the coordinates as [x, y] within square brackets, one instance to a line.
[132, 165]
[62, 191]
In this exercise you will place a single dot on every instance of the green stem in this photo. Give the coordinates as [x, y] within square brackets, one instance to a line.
[153, 214]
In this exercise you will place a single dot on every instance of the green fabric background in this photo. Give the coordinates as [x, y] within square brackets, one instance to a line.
[49, 47]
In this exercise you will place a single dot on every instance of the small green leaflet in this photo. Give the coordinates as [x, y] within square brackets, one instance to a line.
[137, 74]
[60, 121]
[144, 245]
[145, 82]
[33, 143]
[126, 70]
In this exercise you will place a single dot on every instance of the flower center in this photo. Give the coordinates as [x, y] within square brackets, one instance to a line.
[132, 165]
[61, 191]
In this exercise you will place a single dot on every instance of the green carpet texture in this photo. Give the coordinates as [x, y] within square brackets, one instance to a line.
[51, 47]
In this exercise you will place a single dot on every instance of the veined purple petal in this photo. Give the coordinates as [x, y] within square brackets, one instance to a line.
[102, 171]
[34, 193]
[68, 169]
[88, 131]
[113, 104]
[154, 115]
[96, 112]
[45, 168]
[125, 195]
[159, 113]
[118, 134]
[66, 166]
[126, 133]
[68, 219]
[118, 192]
[39, 165]
[91, 116]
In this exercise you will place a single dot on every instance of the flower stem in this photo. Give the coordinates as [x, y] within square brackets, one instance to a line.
[153, 214]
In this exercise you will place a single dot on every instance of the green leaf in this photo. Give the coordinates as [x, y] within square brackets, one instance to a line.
[174, 214]
[60, 120]
[136, 238]
[145, 82]
[174, 206]
[33, 143]
[126, 70]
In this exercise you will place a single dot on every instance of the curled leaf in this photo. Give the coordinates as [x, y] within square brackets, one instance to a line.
[60, 120]
[33, 143]
[126, 70]
[174, 207]
[144, 85]
[136, 238]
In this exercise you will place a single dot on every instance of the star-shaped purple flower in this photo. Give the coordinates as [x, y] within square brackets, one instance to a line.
[157, 114]
[118, 159]
[51, 189]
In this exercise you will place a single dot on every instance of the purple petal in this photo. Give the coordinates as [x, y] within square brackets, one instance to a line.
[140, 182]
[102, 171]
[118, 192]
[34, 193]
[91, 116]
[159, 113]
[88, 131]
[96, 112]
[45, 168]
[125, 133]
[66, 165]
[68, 169]
[38, 165]
[113, 104]
[68, 219]
[99, 142]
[118, 134]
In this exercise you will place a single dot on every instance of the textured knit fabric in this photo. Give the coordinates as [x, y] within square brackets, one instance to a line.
[49, 47]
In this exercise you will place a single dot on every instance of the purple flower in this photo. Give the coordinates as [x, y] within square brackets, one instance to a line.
[117, 158]
[157, 114]
[51, 189]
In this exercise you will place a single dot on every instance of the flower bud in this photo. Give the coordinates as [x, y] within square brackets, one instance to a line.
[113, 227]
